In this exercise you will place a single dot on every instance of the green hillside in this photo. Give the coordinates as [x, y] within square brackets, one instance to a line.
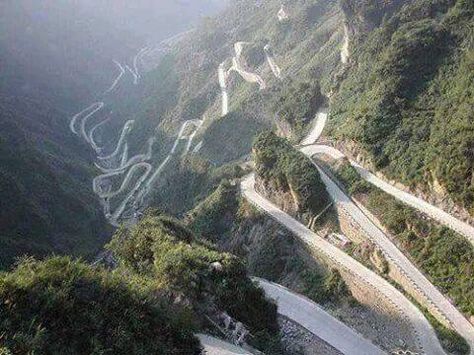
[407, 100]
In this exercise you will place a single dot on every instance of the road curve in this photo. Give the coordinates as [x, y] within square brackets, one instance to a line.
[425, 334]
[147, 187]
[312, 317]
[127, 127]
[434, 299]
[434, 212]
[135, 76]
[92, 132]
[95, 107]
[98, 107]
[124, 184]
[318, 127]
[117, 79]
[113, 219]
[148, 184]
[237, 66]
[181, 136]
[214, 346]
[137, 58]
[310, 150]
[140, 158]
[198, 124]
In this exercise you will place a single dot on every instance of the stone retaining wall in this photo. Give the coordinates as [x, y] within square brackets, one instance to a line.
[357, 234]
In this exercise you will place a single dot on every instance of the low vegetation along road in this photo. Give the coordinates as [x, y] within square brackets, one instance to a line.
[405, 197]
[434, 300]
[312, 317]
[426, 337]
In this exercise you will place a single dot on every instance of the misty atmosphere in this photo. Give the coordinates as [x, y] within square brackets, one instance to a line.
[237, 177]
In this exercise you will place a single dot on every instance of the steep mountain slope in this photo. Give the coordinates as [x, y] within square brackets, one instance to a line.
[187, 86]
[395, 77]
[55, 56]
[407, 101]
[356, 55]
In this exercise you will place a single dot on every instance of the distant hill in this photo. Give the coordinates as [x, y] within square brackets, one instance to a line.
[55, 57]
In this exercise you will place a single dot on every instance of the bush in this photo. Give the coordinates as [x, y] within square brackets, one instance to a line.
[61, 306]
[159, 248]
[278, 164]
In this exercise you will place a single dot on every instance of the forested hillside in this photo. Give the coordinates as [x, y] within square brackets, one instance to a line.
[185, 87]
[166, 158]
[405, 62]
[407, 102]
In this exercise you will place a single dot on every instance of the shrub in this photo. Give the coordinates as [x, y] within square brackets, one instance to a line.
[278, 164]
[161, 250]
[61, 306]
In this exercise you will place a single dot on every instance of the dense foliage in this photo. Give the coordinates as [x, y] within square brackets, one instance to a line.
[230, 138]
[189, 183]
[408, 102]
[165, 251]
[280, 165]
[445, 256]
[61, 306]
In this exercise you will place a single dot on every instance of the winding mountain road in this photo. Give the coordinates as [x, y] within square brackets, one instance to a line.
[99, 106]
[135, 70]
[119, 76]
[127, 128]
[151, 181]
[434, 212]
[237, 66]
[92, 133]
[140, 158]
[114, 218]
[434, 300]
[126, 181]
[318, 127]
[100, 185]
[425, 334]
[136, 59]
[198, 124]
[312, 317]
[95, 107]
[134, 74]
